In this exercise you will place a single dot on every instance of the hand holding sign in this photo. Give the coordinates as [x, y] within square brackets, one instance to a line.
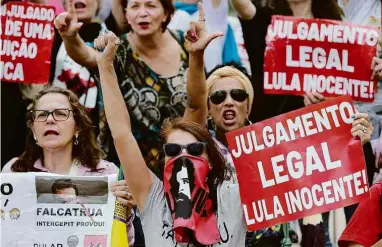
[362, 127]
[122, 192]
[376, 66]
[311, 98]
[197, 36]
[67, 23]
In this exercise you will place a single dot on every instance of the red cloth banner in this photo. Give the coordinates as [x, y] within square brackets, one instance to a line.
[299, 164]
[329, 57]
[26, 42]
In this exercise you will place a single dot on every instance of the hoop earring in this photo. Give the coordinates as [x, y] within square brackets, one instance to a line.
[76, 140]
[248, 122]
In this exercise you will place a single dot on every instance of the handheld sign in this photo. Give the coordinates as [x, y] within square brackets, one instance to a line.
[26, 33]
[329, 57]
[299, 164]
[41, 210]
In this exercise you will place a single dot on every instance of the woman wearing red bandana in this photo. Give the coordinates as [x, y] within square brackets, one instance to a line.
[197, 203]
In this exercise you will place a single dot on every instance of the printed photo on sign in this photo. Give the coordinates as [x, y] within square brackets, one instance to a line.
[55, 210]
[61, 190]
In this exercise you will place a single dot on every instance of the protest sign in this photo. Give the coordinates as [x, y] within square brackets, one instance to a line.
[299, 164]
[45, 210]
[329, 57]
[26, 42]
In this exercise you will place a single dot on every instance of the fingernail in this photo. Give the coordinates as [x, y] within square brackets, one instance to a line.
[353, 116]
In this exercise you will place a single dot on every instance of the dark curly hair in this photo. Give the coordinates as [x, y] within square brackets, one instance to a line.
[168, 7]
[220, 170]
[63, 183]
[87, 152]
[321, 9]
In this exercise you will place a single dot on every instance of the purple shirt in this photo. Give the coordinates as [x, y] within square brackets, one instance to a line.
[106, 168]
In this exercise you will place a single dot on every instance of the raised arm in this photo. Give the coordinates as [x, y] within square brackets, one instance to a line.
[119, 16]
[138, 176]
[244, 8]
[67, 25]
[197, 40]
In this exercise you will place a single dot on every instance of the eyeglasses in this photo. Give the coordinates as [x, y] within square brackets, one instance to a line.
[174, 149]
[58, 115]
[238, 95]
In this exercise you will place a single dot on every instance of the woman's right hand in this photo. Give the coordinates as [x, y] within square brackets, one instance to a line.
[67, 23]
[376, 66]
[197, 37]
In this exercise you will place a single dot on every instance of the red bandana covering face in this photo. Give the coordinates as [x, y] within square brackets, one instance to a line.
[187, 196]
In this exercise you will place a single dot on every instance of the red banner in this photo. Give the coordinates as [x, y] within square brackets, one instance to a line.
[26, 42]
[299, 164]
[329, 57]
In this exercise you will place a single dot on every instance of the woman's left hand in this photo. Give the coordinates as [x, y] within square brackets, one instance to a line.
[107, 46]
[122, 192]
[362, 127]
[376, 66]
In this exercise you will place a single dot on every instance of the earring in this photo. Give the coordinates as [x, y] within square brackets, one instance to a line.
[211, 124]
[76, 140]
[248, 122]
[35, 138]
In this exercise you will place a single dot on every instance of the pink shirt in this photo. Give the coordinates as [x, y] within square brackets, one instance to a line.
[105, 167]
[57, 4]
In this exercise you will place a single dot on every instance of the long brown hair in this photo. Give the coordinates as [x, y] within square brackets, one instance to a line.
[220, 171]
[321, 9]
[87, 152]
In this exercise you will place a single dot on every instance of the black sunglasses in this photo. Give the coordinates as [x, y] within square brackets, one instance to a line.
[174, 149]
[238, 95]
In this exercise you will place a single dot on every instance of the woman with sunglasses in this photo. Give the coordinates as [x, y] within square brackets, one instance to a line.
[197, 203]
[61, 140]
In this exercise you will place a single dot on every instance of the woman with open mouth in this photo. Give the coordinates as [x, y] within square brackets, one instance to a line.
[197, 203]
[61, 140]
[65, 72]
[151, 65]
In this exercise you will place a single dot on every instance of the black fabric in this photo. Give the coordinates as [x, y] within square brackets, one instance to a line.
[313, 235]
[264, 106]
[13, 121]
[139, 238]
[370, 169]
[269, 241]
[370, 162]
